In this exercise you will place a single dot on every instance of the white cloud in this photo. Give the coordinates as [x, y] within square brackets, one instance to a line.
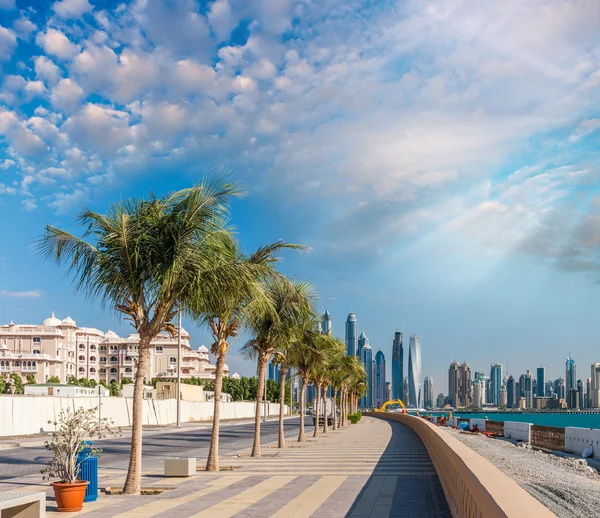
[29, 204]
[67, 95]
[24, 27]
[21, 294]
[65, 203]
[585, 128]
[8, 42]
[46, 69]
[35, 88]
[4, 189]
[72, 8]
[57, 44]
[7, 4]
[21, 139]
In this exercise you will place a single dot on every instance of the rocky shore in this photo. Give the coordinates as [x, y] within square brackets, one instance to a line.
[568, 487]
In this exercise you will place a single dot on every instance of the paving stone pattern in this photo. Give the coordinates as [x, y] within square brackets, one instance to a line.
[376, 469]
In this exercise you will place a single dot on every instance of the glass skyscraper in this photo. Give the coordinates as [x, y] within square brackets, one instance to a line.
[367, 360]
[379, 392]
[428, 392]
[362, 341]
[541, 381]
[326, 323]
[414, 372]
[351, 335]
[397, 366]
[571, 374]
[495, 383]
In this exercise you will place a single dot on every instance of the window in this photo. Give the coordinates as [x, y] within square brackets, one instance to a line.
[81, 369]
[113, 347]
[103, 347]
[102, 371]
[82, 346]
[159, 349]
[33, 364]
[17, 364]
[81, 358]
[102, 359]
[173, 360]
[113, 359]
[127, 370]
[36, 351]
[92, 358]
[92, 347]
[113, 371]
[113, 381]
[92, 371]
[127, 358]
[37, 340]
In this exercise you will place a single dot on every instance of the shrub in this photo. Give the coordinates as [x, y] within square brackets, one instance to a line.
[354, 418]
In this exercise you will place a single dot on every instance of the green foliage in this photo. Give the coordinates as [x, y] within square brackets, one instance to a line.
[31, 379]
[2, 385]
[18, 384]
[104, 384]
[53, 379]
[354, 418]
[127, 381]
[114, 389]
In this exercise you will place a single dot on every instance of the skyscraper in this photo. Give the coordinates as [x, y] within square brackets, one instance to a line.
[453, 383]
[351, 335]
[465, 385]
[541, 381]
[388, 391]
[595, 385]
[405, 390]
[571, 374]
[397, 365]
[326, 323]
[511, 393]
[414, 372]
[495, 382]
[526, 388]
[380, 395]
[367, 361]
[581, 394]
[478, 393]
[362, 340]
[428, 392]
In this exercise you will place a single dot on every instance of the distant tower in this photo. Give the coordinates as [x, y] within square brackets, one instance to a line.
[571, 374]
[495, 382]
[428, 392]
[414, 372]
[367, 360]
[380, 396]
[453, 384]
[397, 365]
[541, 381]
[351, 335]
[362, 341]
[326, 323]
[465, 385]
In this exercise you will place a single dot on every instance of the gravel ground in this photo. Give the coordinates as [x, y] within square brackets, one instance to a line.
[568, 487]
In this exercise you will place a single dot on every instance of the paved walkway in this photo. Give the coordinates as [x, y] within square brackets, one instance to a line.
[373, 469]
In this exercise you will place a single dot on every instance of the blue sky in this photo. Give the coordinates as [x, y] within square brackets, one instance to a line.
[440, 158]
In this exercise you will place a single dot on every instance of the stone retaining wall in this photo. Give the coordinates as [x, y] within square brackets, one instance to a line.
[549, 437]
[474, 488]
[495, 427]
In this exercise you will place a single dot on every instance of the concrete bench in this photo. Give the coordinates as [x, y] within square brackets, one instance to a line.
[22, 505]
[180, 467]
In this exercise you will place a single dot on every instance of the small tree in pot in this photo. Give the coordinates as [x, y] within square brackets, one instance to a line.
[72, 428]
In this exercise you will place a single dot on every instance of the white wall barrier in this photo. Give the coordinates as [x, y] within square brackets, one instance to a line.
[29, 415]
[517, 431]
[434, 419]
[578, 439]
[479, 422]
[453, 421]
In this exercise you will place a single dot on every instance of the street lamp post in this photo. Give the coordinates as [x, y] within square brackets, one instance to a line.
[179, 370]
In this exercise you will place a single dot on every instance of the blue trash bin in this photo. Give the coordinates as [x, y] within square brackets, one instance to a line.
[88, 470]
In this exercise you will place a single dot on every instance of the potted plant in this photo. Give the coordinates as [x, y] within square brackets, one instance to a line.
[66, 444]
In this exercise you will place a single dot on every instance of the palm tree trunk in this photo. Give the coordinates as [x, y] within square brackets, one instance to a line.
[317, 410]
[282, 380]
[301, 436]
[326, 416]
[133, 482]
[335, 421]
[260, 392]
[212, 464]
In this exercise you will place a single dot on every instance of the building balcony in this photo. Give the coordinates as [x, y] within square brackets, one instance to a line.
[29, 369]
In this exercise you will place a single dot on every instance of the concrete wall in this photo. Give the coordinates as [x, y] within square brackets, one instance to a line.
[28, 415]
[517, 431]
[578, 439]
[474, 488]
[479, 422]
[495, 427]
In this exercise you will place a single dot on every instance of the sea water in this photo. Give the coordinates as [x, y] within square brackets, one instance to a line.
[560, 420]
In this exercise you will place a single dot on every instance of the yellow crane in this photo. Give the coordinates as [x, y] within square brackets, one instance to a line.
[392, 402]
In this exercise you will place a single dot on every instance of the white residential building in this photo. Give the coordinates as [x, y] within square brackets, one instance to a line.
[60, 348]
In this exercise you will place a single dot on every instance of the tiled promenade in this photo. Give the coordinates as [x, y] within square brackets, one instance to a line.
[375, 468]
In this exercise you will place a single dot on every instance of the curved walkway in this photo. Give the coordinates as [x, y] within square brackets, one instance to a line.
[376, 468]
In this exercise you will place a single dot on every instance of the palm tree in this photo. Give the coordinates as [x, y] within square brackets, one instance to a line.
[143, 258]
[230, 307]
[320, 372]
[303, 356]
[292, 302]
[336, 355]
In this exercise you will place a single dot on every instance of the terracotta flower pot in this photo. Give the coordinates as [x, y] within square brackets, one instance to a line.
[69, 497]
